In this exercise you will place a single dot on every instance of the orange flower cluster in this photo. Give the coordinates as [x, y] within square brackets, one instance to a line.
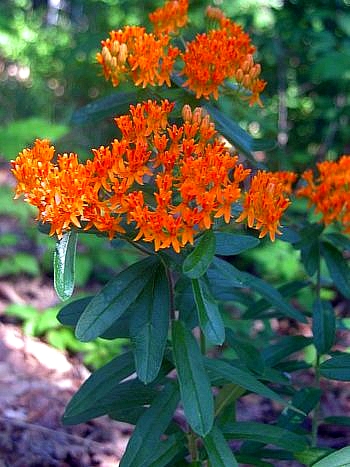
[266, 201]
[168, 182]
[171, 17]
[224, 53]
[329, 192]
[131, 52]
[220, 54]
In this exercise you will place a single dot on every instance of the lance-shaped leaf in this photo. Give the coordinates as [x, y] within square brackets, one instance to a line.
[195, 388]
[113, 300]
[246, 352]
[338, 268]
[198, 261]
[69, 314]
[337, 367]
[151, 425]
[149, 325]
[219, 453]
[283, 348]
[64, 264]
[339, 458]
[168, 449]
[85, 403]
[228, 244]
[267, 434]
[232, 374]
[209, 316]
[323, 326]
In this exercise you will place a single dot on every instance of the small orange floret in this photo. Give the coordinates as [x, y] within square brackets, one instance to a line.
[223, 53]
[329, 192]
[133, 53]
[266, 201]
[171, 17]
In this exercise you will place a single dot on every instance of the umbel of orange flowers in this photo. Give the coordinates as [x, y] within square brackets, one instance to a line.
[167, 182]
[225, 52]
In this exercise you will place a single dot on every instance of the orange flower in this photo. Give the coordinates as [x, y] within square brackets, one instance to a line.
[329, 192]
[171, 17]
[132, 52]
[224, 53]
[266, 201]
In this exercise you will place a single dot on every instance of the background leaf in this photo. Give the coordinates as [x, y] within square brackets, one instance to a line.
[339, 458]
[338, 268]
[337, 367]
[228, 244]
[323, 326]
[198, 261]
[64, 264]
[219, 452]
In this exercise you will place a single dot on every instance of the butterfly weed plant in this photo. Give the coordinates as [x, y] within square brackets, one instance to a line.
[180, 184]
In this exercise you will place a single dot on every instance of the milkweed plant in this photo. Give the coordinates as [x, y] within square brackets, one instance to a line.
[180, 184]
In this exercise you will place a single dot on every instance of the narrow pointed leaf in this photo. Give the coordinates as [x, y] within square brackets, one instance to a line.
[337, 367]
[222, 274]
[228, 244]
[70, 313]
[219, 452]
[64, 264]
[209, 316]
[85, 402]
[232, 374]
[113, 300]
[151, 425]
[149, 326]
[267, 434]
[283, 348]
[167, 450]
[246, 352]
[323, 326]
[338, 268]
[198, 261]
[339, 458]
[194, 384]
[338, 240]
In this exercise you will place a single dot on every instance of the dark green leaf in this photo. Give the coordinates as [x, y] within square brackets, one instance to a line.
[338, 268]
[252, 460]
[198, 261]
[222, 274]
[151, 425]
[113, 300]
[338, 240]
[69, 314]
[232, 374]
[195, 388]
[219, 453]
[289, 235]
[337, 420]
[64, 264]
[305, 400]
[339, 458]
[310, 256]
[283, 348]
[260, 309]
[149, 325]
[337, 367]
[85, 403]
[209, 316]
[311, 455]
[120, 327]
[246, 352]
[184, 302]
[117, 103]
[167, 450]
[323, 326]
[267, 434]
[268, 292]
[228, 244]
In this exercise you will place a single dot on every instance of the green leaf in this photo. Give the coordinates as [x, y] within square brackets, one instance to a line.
[260, 308]
[194, 384]
[337, 420]
[113, 300]
[305, 400]
[228, 244]
[283, 348]
[198, 261]
[337, 367]
[232, 374]
[323, 326]
[268, 292]
[69, 314]
[219, 453]
[88, 401]
[311, 455]
[209, 316]
[233, 132]
[338, 268]
[339, 458]
[117, 103]
[267, 434]
[221, 274]
[151, 425]
[64, 264]
[338, 240]
[246, 352]
[310, 256]
[167, 450]
[149, 325]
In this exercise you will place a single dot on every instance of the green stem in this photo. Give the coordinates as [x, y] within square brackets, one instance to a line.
[192, 446]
